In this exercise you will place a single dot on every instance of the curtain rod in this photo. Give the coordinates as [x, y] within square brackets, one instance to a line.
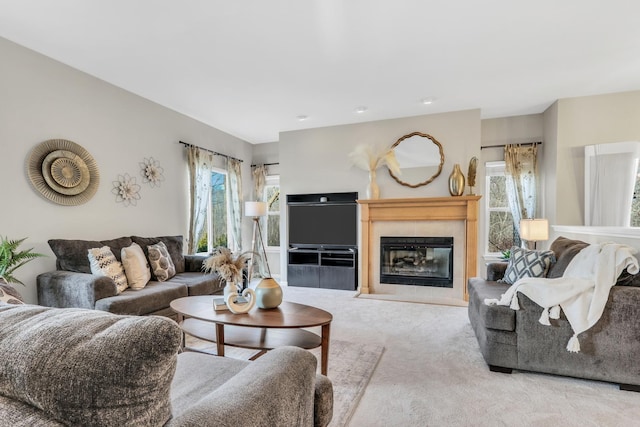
[186, 144]
[266, 164]
[504, 145]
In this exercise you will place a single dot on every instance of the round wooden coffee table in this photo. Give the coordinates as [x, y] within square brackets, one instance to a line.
[258, 329]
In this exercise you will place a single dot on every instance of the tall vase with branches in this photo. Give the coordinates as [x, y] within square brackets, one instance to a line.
[369, 159]
[230, 267]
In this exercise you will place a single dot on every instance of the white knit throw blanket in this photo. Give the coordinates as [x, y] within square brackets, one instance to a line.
[581, 292]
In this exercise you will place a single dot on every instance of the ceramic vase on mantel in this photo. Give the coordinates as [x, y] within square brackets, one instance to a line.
[373, 191]
[268, 293]
[456, 181]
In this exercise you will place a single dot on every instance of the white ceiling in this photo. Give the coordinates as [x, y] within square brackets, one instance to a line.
[251, 67]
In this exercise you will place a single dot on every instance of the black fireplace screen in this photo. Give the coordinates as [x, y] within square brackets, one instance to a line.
[423, 261]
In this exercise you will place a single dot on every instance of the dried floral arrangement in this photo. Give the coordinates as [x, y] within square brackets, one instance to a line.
[364, 157]
[471, 172]
[228, 266]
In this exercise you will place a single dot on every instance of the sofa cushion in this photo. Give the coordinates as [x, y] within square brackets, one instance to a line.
[174, 246]
[104, 263]
[565, 250]
[160, 261]
[190, 385]
[135, 266]
[9, 295]
[199, 283]
[153, 297]
[498, 317]
[86, 367]
[19, 414]
[527, 263]
[71, 255]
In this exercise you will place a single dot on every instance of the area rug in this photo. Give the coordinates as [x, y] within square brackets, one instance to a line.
[350, 368]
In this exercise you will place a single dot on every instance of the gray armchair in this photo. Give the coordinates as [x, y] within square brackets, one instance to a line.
[90, 368]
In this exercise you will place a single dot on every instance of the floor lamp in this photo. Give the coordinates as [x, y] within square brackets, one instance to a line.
[268, 291]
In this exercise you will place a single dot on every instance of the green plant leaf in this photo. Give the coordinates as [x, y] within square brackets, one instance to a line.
[11, 259]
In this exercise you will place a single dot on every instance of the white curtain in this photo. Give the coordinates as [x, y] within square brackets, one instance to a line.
[612, 185]
[259, 182]
[199, 162]
[234, 202]
[521, 181]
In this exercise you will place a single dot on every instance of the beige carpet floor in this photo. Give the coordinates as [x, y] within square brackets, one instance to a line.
[351, 365]
[432, 373]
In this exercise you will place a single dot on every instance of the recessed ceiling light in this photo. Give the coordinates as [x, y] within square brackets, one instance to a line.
[361, 109]
[428, 100]
[302, 118]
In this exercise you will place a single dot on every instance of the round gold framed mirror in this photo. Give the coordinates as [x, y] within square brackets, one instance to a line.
[420, 157]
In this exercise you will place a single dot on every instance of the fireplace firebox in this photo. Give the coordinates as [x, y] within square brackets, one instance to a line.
[422, 261]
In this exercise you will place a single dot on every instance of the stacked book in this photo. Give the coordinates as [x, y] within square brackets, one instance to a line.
[220, 305]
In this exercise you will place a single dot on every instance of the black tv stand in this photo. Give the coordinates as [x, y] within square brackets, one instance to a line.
[323, 268]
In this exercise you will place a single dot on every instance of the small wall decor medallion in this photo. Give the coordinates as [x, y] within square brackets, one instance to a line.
[152, 172]
[126, 189]
[63, 172]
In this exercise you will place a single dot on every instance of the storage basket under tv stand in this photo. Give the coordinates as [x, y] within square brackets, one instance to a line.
[323, 268]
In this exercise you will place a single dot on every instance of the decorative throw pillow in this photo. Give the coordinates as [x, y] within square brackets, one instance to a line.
[135, 266]
[71, 255]
[104, 263]
[8, 295]
[161, 262]
[527, 263]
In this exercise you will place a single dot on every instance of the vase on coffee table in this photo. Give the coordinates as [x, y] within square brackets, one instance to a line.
[268, 293]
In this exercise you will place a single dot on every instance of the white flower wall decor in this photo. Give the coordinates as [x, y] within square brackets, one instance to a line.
[152, 172]
[126, 189]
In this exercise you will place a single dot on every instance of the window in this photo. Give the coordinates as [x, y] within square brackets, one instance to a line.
[215, 233]
[501, 233]
[635, 204]
[272, 196]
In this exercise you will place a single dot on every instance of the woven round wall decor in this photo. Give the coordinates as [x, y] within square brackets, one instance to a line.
[63, 172]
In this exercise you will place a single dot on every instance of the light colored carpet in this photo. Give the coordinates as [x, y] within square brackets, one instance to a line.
[351, 365]
[432, 373]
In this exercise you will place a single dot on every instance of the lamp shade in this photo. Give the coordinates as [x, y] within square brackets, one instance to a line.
[255, 209]
[534, 230]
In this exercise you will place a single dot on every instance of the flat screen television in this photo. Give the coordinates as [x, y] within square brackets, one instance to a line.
[323, 225]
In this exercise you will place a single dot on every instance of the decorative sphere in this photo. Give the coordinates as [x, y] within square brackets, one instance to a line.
[268, 293]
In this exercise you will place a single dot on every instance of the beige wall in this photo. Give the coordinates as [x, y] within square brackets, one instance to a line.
[42, 99]
[499, 132]
[584, 121]
[317, 160]
[550, 161]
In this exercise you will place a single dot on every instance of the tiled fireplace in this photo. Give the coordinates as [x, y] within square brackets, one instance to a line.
[418, 261]
[442, 218]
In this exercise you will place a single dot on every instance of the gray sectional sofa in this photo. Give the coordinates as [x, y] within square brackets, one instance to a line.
[73, 285]
[515, 339]
[90, 368]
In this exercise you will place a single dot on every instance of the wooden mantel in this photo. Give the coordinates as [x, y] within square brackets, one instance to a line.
[463, 208]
